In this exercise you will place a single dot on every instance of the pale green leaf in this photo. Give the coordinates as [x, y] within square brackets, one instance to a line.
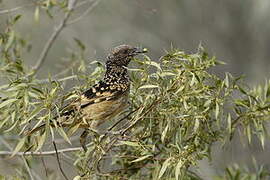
[192, 82]
[148, 86]
[163, 135]
[129, 143]
[64, 135]
[10, 40]
[178, 169]
[77, 178]
[165, 165]
[153, 63]
[248, 132]
[196, 125]
[36, 16]
[229, 122]
[217, 110]
[141, 158]
[7, 102]
[40, 141]
[19, 146]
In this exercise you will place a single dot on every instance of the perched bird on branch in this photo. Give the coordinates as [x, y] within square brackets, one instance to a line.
[104, 100]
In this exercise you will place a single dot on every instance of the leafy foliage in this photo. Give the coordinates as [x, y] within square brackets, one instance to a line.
[178, 110]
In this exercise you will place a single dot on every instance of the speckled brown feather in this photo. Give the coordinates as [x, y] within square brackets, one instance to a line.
[105, 99]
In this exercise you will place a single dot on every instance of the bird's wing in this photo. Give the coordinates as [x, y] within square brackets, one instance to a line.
[98, 93]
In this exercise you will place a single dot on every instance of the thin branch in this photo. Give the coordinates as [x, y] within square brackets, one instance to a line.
[87, 11]
[6, 11]
[115, 124]
[79, 4]
[53, 37]
[28, 168]
[59, 80]
[45, 167]
[23, 159]
[58, 161]
[44, 153]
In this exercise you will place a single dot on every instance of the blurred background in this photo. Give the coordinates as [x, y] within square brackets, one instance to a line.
[235, 31]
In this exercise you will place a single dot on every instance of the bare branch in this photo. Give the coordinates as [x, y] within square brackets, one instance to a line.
[6, 11]
[87, 11]
[53, 37]
[28, 168]
[22, 159]
[58, 161]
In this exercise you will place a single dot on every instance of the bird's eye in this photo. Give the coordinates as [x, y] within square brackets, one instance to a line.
[125, 51]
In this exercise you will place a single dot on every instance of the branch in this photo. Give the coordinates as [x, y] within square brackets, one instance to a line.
[58, 161]
[6, 11]
[88, 10]
[53, 37]
[44, 153]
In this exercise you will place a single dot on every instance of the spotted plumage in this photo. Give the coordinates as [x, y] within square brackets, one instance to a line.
[105, 99]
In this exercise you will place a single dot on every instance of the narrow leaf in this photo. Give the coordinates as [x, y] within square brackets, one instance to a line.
[178, 169]
[141, 158]
[129, 143]
[19, 146]
[64, 135]
[148, 86]
[164, 167]
[41, 141]
[36, 16]
[163, 135]
[7, 102]
[217, 110]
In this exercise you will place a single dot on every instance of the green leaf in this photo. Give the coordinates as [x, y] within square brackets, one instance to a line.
[7, 102]
[129, 143]
[10, 40]
[229, 122]
[178, 169]
[148, 86]
[163, 135]
[192, 80]
[141, 158]
[41, 140]
[17, 18]
[79, 43]
[19, 146]
[63, 134]
[248, 133]
[226, 80]
[217, 110]
[196, 125]
[77, 178]
[36, 16]
[33, 114]
[165, 165]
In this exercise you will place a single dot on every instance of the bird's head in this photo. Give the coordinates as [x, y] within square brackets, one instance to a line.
[121, 55]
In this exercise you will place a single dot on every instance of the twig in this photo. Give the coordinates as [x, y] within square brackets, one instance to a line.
[22, 159]
[28, 169]
[115, 124]
[44, 153]
[88, 10]
[6, 11]
[53, 37]
[59, 80]
[142, 116]
[45, 167]
[58, 161]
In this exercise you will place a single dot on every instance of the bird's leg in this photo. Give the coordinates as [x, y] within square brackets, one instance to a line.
[83, 139]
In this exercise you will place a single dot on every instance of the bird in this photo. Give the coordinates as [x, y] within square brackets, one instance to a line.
[104, 100]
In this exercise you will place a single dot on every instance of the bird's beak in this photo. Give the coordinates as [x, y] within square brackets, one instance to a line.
[139, 50]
